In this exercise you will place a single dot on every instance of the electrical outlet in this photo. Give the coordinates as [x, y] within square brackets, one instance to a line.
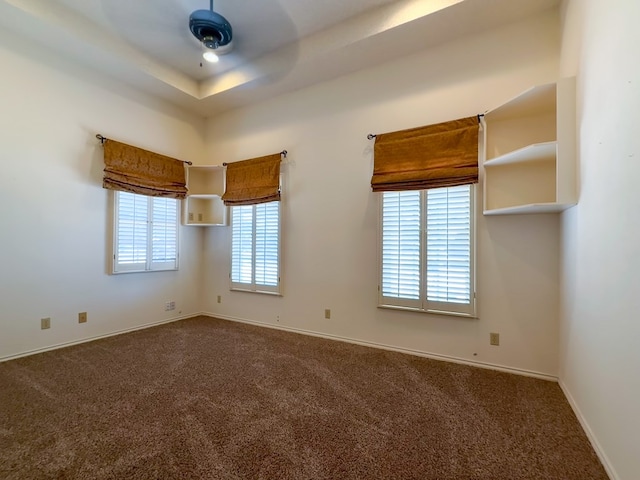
[45, 323]
[199, 217]
[327, 313]
[82, 317]
[191, 216]
[169, 306]
[219, 298]
[494, 339]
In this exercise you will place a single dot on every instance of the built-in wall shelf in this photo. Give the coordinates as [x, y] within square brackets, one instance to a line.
[530, 209]
[203, 205]
[529, 154]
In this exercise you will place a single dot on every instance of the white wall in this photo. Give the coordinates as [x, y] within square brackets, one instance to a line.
[600, 286]
[330, 220]
[55, 228]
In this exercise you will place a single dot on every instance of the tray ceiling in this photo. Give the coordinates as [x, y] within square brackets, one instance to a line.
[279, 45]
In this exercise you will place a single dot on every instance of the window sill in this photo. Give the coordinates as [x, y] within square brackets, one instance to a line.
[124, 272]
[429, 312]
[263, 292]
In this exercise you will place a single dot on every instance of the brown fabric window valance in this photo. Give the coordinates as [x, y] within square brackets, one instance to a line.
[440, 155]
[253, 181]
[132, 169]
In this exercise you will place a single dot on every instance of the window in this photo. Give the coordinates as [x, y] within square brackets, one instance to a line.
[145, 233]
[255, 247]
[427, 247]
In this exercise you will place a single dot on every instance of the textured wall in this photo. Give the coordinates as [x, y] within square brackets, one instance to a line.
[599, 356]
[55, 235]
[330, 216]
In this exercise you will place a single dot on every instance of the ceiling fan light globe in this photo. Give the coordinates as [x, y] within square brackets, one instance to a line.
[210, 56]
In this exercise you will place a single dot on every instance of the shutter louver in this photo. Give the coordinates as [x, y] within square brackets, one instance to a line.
[132, 211]
[267, 242]
[449, 245]
[242, 244]
[164, 233]
[401, 245]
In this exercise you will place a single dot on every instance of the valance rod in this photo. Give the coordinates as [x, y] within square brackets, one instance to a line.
[283, 153]
[371, 136]
[104, 139]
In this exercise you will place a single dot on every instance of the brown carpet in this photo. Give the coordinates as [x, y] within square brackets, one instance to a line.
[211, 399]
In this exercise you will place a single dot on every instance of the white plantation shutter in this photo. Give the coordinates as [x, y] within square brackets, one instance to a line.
[131, 232]
[255, 247]
[242, 244]
[449, 248]
[401, 227]
[267, 244]
[427, 250]
[145, 234]
[164, 233]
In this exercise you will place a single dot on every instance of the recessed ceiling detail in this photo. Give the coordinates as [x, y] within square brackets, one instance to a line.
[278, 45]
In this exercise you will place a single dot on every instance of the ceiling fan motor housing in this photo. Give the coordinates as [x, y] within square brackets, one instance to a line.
[211, 28]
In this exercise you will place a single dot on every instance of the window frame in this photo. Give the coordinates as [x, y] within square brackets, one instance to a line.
[423, 305]
[254, 287]
[149, 264]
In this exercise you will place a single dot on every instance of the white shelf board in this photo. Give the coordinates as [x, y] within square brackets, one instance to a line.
[534, 101]
[530, 153]
[530, 208]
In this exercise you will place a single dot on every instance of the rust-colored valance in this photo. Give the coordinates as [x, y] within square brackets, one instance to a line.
[253, 181]
[132, 169]
[440, 155]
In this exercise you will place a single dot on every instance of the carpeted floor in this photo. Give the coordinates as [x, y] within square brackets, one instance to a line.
[211, 399]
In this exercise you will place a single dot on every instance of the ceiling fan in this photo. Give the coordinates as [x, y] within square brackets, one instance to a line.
[213, 31]
[176, 33]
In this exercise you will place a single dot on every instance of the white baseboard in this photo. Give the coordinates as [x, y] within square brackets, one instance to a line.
[583, 422]
[419, 353]
[590, 435]
[98, 337]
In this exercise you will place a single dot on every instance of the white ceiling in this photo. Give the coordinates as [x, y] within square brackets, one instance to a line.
[279, 45]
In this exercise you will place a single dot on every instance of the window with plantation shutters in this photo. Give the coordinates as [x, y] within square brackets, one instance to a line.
[145, 233]
[255, 247]
[427, 250]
